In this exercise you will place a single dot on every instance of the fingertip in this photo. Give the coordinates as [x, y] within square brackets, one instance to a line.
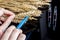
[23, 35]
[12, 27]
[18, 30]
[13, 15]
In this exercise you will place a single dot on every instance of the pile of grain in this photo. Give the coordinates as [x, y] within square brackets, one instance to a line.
[21, 8]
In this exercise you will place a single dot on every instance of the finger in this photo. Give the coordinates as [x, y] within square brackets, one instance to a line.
[1, 12]
[8, 33]
[1, 33]
[15, 34]
[2, 19]
[21, 37]
[7, 12]
[8, 21]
